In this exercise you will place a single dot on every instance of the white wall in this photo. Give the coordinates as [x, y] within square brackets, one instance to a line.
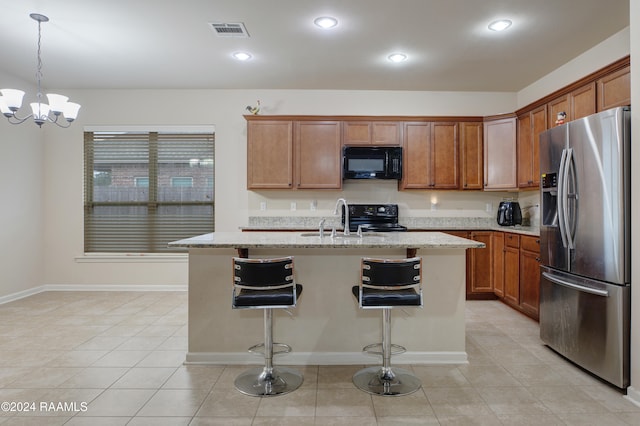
[599, 56]
[21, 196]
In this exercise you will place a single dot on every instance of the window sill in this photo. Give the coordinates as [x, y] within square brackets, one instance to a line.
[132, 258]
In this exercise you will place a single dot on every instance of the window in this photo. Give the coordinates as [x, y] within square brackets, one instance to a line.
[145, 189]
[186, 182]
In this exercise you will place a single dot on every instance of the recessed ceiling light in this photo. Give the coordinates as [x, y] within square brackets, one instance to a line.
[325, 22]
[242, 56]
[500, 25]
[397, 57]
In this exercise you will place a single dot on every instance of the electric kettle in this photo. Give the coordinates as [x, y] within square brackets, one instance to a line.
[509, 213]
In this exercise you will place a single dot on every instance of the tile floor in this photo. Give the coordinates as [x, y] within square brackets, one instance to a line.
[115, 358]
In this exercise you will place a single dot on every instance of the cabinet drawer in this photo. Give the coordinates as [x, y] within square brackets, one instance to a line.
[530, 244]
[512, 240]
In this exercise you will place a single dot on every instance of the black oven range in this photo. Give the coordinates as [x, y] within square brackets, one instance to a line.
[374, 218]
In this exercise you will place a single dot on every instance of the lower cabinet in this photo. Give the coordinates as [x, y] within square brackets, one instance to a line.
[521, 273]
[479, 281]
[508, 268]
[530, 276]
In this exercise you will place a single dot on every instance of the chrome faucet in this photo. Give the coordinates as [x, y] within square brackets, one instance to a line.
[321, 228]
[346, 213]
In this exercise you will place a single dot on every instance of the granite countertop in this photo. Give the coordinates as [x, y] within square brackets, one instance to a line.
[299, 223]
[285, 239]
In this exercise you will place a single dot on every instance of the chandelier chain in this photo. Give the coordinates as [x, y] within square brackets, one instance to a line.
[39, 66]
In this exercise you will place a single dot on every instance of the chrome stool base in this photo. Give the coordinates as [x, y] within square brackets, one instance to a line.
[261, 381]
[386, 382]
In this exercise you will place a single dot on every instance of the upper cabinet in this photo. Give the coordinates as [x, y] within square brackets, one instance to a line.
[293, 155]
[530, 125]
[614, 89]
[500, 154]
[582, 101]
[317, 147]
[270, 154]
[471, 164]
[372, 133]
[430, 155]
[578, 103]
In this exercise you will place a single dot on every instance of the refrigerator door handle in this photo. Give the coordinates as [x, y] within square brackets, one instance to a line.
[561, 197]
[578, 287]
[569, 227]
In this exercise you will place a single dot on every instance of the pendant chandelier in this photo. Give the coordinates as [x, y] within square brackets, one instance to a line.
[59, 105]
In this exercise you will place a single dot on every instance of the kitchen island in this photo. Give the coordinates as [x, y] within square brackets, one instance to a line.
[326, 327]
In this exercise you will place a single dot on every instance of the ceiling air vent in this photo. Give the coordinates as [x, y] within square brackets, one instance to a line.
[230, 30]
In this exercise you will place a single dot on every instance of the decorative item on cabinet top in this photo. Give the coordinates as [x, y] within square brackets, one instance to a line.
[255, 110]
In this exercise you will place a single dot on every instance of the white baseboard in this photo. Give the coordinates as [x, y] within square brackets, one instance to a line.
[86, 287]
[326, 358]
[633, 395]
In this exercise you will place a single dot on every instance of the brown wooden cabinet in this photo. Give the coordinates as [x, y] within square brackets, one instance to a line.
[293, 155]
[614, 89]
[500, 154]
[560, 104]
[317, 147]
[269, 154]
[582, 101]
[430, 157]
[578, 103]
[530, 275]
[497, 241]
[480, 266]
[471, 155]
[530, 125]
[520, 273]
[512, 269]
[372, 133]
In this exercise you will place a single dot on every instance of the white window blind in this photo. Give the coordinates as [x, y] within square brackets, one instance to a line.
[132, 202]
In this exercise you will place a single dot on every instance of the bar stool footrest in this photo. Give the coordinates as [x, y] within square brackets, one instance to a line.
[278, 348]
[373, 349]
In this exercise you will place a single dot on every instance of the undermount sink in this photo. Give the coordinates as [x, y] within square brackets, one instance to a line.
[341, 235]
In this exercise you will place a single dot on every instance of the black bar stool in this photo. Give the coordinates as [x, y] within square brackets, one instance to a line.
[266, 284]
[385, 284]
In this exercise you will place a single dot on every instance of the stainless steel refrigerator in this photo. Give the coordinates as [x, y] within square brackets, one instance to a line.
[585, 242]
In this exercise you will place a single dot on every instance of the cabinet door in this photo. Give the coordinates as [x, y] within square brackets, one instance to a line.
[500, 154]
[471, 155]
[538, 125]
[583, 101]
[525, 150]
[614, 89]
[317, 154]
[530, 276]
[498, 263]
[530, 125]
[356, 133]
[512, 275]
[557, 105]
[415, 156]
[444, 156]
[386, 133]
[372, 133]
[269, 154]
[480, 264]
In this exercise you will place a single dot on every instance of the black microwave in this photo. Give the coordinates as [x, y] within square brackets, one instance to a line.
[372, 162]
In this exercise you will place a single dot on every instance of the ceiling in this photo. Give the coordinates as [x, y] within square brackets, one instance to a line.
[89, 44]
